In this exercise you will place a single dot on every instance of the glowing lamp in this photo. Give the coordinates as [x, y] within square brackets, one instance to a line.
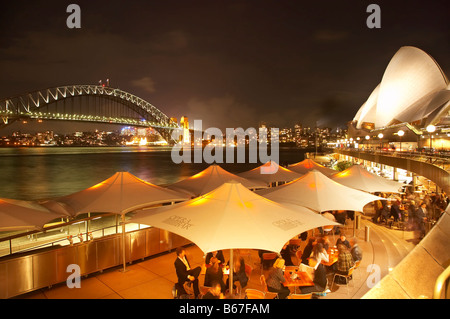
[431, 128]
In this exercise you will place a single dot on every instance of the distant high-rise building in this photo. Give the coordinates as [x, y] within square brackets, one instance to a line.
[184, 123]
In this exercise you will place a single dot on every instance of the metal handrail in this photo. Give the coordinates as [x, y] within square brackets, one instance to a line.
[440, 283]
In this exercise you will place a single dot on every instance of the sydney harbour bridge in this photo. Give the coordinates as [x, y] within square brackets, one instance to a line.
[86, 103]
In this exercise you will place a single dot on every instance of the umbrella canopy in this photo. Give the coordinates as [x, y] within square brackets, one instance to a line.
[269, 173]
[232, 217]
[120, 194]
[318, 192]
[211, 178]
[22, 215]
[359, 178]
[308, 165]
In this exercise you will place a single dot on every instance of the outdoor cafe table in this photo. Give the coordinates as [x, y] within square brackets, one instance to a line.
[303, 279]
[332, 256]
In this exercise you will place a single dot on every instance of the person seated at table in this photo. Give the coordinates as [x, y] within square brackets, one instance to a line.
[307, 251]
[239, 273]
[185, 273]
[320, 280]
[343, 240]
[215, 292]
[217, 254]
[356, 251]
[345, 260]
[320, 254]
[275, 279]
[214, 274]
[325, 241]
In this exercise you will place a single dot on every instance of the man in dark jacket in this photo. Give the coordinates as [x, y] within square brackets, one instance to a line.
[185, 273]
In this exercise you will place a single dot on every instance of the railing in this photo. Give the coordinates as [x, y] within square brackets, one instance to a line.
[25, 272]
[60, 226]
[438, 175]
[441, 283]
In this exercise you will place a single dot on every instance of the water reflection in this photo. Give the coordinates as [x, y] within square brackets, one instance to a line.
[35, 173]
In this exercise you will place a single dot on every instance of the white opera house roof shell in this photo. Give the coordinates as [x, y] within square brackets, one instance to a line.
[413, 90]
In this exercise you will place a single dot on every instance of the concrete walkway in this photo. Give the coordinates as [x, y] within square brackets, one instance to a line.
[154, 277]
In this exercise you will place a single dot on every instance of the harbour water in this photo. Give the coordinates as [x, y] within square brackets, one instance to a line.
[48, 172]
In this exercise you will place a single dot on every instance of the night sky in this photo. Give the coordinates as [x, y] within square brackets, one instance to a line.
[228, 63]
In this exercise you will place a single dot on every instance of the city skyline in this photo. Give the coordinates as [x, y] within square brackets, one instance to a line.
[230, 64]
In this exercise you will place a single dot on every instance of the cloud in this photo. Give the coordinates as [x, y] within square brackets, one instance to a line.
[146, 83]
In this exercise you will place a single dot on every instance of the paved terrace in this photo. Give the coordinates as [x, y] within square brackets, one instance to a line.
[154, 277]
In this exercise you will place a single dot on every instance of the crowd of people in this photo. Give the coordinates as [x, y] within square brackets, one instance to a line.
[414, 209]
[314, 256]
[214, 275]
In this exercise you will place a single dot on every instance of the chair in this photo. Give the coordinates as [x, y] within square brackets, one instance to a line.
[267, 260]
[253, 294]
[267, 294]
[327, 230]
[300, 296]
[357, 264]
[347, 277]
[262, 279]
[248, 270]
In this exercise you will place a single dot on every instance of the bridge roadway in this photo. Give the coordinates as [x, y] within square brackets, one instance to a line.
[87, 103]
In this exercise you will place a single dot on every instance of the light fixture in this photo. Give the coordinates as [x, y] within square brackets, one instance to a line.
[431, 128]
[380, 136]
[401, 133]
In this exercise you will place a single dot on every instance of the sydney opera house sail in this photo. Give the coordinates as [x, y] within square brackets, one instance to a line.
[413, 90]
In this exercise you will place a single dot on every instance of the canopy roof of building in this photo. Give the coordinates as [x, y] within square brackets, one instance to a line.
[413, 89]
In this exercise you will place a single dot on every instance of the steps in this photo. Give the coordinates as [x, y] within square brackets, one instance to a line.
[386, 248]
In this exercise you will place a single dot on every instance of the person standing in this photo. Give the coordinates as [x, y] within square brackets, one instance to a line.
[421, 217]
[356, 251]
[185, 273]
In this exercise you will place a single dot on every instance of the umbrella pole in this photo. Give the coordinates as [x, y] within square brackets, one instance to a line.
[230, 276]
[123, 244]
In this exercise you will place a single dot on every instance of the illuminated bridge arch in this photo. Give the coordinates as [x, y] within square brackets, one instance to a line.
[86, 103]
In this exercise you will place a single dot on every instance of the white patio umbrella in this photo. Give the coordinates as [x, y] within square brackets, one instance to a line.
[359, 178]
[211, 178]
[308, 165]
[120, 194]
[232, 217]
[23, 215]
[319, 193]
[269, 173]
